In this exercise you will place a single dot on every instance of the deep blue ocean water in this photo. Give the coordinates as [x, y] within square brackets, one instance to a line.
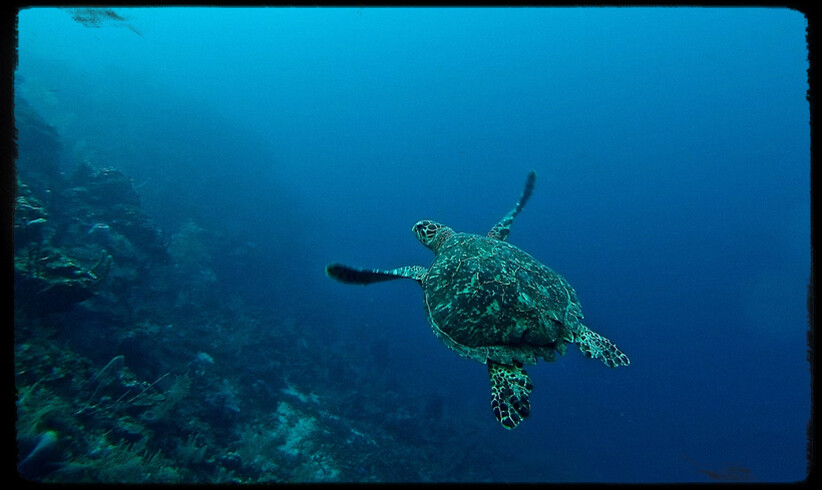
[672, 147]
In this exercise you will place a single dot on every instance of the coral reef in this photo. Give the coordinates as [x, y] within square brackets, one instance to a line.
[135, 363]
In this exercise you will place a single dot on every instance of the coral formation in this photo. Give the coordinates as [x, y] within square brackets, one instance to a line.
[135, 363]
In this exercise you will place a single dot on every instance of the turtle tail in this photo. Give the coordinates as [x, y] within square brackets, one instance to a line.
[510, 388]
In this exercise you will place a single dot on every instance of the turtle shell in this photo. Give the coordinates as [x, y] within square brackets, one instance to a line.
[487, 299]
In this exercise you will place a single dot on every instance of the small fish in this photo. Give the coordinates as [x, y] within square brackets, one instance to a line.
[101, 227]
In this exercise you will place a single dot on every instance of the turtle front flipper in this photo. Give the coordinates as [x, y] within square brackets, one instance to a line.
[500, 230]
[596, 346]
[510, 388]
[355, 275]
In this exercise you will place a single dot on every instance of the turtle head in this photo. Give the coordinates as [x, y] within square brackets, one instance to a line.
[431, 234]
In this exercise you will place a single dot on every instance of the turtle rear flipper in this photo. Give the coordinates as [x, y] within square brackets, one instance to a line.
[500, 230]
[510, 388]
[355, 275]
[596, 346]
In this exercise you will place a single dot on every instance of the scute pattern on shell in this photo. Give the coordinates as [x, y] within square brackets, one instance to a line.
[487, 299]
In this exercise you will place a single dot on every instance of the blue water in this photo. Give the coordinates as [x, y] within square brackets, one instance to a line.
[672, 148]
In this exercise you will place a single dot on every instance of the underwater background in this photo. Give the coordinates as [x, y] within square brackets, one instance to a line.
[185, 175]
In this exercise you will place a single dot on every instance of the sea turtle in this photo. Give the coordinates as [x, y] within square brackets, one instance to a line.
[489, 301]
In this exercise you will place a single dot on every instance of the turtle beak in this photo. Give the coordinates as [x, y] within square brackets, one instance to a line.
[417, 229]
